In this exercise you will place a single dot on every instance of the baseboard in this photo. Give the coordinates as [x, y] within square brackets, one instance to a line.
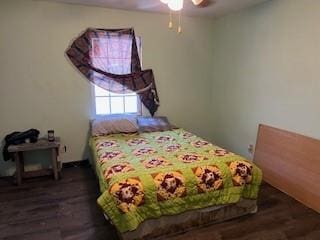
[80, 163]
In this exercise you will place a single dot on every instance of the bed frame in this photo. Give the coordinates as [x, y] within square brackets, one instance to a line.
[291, 163]
[167, 226]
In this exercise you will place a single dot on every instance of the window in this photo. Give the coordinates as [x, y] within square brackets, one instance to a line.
[110, 103]
[115, 57]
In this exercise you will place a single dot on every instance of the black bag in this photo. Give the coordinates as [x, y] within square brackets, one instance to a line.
[16, 138]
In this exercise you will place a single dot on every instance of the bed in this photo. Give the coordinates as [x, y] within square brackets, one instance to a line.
[159, 183]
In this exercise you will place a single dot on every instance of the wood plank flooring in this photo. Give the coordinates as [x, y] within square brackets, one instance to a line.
[43, 209]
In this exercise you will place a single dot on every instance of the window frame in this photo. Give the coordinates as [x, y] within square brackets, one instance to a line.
[139, 103]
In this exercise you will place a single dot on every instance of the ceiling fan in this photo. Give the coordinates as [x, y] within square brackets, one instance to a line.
[177, 5]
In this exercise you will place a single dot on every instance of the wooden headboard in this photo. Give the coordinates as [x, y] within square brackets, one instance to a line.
[291, 163]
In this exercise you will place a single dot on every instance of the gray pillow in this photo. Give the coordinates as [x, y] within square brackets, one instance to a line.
[114, 124]
[153, 124]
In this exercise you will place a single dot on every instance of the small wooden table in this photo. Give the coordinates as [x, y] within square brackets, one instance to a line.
[41, 144]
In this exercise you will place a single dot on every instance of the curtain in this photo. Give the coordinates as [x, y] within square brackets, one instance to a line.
[110, 59]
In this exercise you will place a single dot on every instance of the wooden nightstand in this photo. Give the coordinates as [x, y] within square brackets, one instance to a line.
[41, 144]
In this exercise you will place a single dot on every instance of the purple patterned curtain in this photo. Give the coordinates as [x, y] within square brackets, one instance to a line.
[109, 58]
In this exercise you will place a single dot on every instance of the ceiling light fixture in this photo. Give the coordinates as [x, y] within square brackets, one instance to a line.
[177, 6]
[174, 5]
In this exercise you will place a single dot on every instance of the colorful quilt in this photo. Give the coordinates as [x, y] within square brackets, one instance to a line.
[148, 175]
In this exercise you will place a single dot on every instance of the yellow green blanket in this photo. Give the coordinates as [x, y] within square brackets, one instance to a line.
[148, 175]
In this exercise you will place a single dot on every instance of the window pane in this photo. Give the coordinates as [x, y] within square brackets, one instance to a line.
[102, 105]
[117, 105]
[100, 91]
[131, 104]
[130, 94]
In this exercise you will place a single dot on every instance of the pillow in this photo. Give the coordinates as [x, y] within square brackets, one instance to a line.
[114, 124]
[153, 124]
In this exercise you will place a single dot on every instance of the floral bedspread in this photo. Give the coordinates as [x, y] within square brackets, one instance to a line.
[148, 175]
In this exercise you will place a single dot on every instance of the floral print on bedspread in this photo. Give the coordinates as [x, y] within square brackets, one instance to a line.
[241, 172]
[137, 141]
[169, 185]
[111, 155]
[172, 147]
[117, 169]
[128, 193]
[144, 151]
[220, 152]
[209, 178]
[191, 157]
[164, 139]
[200, 143]
[186, 135]
[106, 144]
[155, 162]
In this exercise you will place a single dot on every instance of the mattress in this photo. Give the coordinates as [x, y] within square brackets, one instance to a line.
[150, 175]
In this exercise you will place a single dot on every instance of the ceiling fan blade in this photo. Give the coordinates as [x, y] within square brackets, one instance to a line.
[203, 3]
[197, 2]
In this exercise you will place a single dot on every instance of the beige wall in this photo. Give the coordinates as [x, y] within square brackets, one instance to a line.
[40, 89]
[266, 70]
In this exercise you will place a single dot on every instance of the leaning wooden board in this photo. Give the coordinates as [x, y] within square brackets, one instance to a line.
[291, 163]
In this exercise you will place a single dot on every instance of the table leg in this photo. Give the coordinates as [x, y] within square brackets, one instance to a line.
[58, 163]
[18, 168]
[54, 161]
[21, 157]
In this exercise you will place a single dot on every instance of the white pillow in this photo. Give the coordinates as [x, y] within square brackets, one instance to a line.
[114, 124]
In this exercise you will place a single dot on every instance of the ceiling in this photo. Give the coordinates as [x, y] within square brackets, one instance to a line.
[218, 8]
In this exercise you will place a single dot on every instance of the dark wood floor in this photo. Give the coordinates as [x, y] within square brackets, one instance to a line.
[42, 209]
